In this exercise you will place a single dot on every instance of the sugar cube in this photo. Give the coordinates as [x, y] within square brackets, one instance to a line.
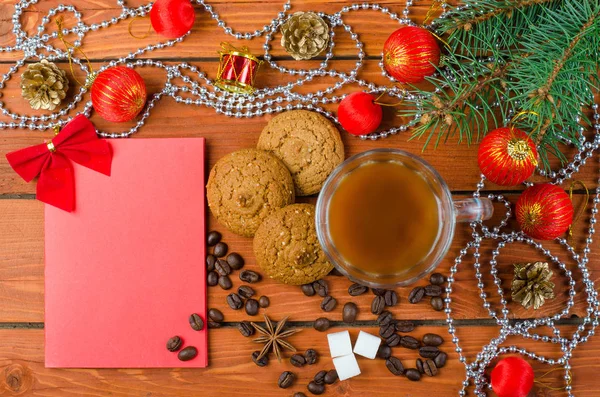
[367, 345]
[339, 344]
[346, 366]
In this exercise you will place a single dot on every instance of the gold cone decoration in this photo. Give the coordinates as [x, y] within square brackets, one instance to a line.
[305, 35]
[531, 285]
[44, 85]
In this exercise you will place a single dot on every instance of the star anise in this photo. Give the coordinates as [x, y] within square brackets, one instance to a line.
[273, 336]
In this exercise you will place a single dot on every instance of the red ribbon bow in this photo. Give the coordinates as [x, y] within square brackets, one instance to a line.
[77, 142]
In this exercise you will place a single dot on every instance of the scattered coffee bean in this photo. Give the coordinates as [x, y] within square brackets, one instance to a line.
[384, 318]
[409, 342]
[212, 278]
[394, 365]
[264, 360]
[235, 260]
[378, 291]
[299, 394]
[433, 290]
[321, 287]
[378, 305]
[391, 298]
[316, 389]
[328, 304]
[331, 377]
[225, 282]
[404, 326]
[212, 238]
[196, 322]
[350, 312]
[385, 331]
[308, 289]
[413, 374]
[311, 356]
[215, 315]
[429, 351]
[393, 340]
[430, 368]
[248, 276]
[222, 267]
[234, 301]
[174, 344]
[246, 329]
[419, 364]
[252, 307]
[416, 295]
[437, 303]
[286, 379]
[437, 279]
[213, 324]
[319, 378]
[322, 324]
[357, 289]
[210, 262]
[187, 353]
[384, 352]
[432, 340]
[264, 301]
[440, 359]
[335, 272]
[245, 291]
[220, 249]
[297, 360]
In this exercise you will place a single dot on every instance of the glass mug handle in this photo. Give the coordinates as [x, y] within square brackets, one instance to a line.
[473, 209]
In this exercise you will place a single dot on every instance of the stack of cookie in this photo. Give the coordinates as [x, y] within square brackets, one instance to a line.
[252, 191]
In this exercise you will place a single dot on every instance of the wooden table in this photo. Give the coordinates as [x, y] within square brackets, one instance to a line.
[231, 372]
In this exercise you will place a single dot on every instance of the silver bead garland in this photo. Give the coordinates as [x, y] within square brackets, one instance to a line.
[201, 91]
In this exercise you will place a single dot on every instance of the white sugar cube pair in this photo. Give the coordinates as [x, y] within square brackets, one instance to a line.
[344, 359]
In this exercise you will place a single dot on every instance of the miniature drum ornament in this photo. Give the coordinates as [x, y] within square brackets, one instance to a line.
[237, 69]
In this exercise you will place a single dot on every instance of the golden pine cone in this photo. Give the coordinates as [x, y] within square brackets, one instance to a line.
[44, 85]
[305, 35]
[531, 285]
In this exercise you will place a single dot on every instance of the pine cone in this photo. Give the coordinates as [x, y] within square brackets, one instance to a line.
[531, 284]
[305, 35]
[44, 85]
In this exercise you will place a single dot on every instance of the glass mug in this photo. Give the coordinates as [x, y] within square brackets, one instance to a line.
[450, 211]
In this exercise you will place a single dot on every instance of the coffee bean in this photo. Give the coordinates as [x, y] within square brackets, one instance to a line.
[235, 260]
[437, 279]
[264, 301]
[432, 340]
[331, 377]
[213, 324]
[311, 356]
[328, 304]
[248, 276]
[419, 364]
[297, 360]
[299, 394]
[357, 289]
[440, 359]
[212, 278]
[430, 368]
[335, 272]
[322, 324]
[222, 267]
[316, 389]
[384, 352]
[210, 262]
[378, 305]
[187, 353]
[174, 344]
[433, 290]
[220, 249]
[245, 291]
[350, 312]
[196, 322]
[413, 374]
[319, 378]
[416, 295]
[409, 342]
[437, 303]
[385, 331]
[429, 351]
[394, 365]
[264, 360]
[212, 238]
[246, 329]
[378, 291]
[393, 340]
[252, 307]
[404, 326]
[308, 289]
[225, 282]
[391, 298]
[234, 301]
[286, 379]
[384, 318]
[321, 287]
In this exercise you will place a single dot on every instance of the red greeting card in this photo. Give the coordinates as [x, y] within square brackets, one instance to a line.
[125, 270]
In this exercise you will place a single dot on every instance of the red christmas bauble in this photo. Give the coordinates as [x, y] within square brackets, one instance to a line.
[410, 54]
[507, 156]
[512, 377]
[118, 94]
[172, 18]
[544, 211]
[359, 114]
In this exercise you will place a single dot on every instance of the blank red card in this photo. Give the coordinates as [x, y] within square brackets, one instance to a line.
[125, 270]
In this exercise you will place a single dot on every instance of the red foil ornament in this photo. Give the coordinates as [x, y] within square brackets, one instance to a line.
[172, 18]
[512, 377]
[507, 156]
[118, 94]
[359, 114]
[544, 211]
[237, 69]
[410, 54]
